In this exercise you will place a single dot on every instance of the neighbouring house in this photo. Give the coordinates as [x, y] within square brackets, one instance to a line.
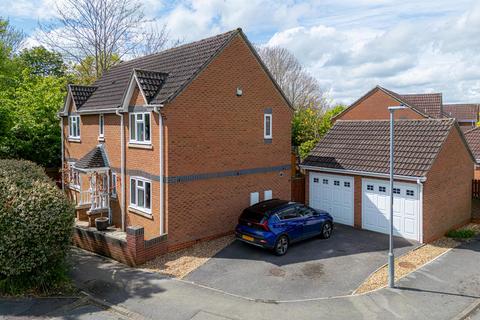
[374, 106]
[473, 139]
[347, 175]
[465, 113]
[171, 147]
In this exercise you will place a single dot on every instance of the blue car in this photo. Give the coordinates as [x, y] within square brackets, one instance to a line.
[275, 224]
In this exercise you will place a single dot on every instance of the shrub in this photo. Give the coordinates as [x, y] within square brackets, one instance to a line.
[36, 223]
[461, 233]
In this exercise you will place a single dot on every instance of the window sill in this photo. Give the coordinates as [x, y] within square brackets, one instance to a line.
[74, 188]
[140, 213]
[74, 140]
[140, 146]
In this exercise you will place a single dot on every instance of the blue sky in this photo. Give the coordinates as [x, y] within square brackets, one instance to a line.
[348, 45]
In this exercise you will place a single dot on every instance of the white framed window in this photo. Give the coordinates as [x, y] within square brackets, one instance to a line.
[370, 187]
[267, 194]
[140, 127]
[382, 189]
[336, 183]
[113, 185]
[267, 126]
[346, 184]
[141, 194]
[74, 127]
[73, 177]
[101, 125]
[325, 181]
[254, 198]
[396, 190]
[410, 193]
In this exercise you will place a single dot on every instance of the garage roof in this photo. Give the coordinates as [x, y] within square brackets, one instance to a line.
[364, 146]
[473, 139]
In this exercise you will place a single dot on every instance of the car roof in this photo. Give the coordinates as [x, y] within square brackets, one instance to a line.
[269, 205]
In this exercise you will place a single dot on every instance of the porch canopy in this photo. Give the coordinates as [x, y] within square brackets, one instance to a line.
[95, 160]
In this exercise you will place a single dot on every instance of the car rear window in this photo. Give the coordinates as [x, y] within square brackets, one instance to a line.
[253, 216]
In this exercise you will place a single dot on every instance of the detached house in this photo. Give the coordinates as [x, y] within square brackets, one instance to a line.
[465, 113]
[172, 146]
[348, 170]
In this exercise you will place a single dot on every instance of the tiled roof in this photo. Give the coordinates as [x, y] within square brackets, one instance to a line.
[81, 93]
[462, 111]
[364, 146]
[95, 158]
[473, 139]
[181, 64]
[427, 103]
[151, 82]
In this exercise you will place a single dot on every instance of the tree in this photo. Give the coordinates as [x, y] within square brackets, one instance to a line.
[42, 62]
[85, 72]
[10, 38]
[299, 86]
[102, 29]
[309, 126]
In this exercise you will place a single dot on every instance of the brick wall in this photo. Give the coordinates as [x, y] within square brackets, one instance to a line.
[133, 251]
[448, 189]
[375, 107]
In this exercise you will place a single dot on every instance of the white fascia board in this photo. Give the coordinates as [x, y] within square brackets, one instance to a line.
[364, 173]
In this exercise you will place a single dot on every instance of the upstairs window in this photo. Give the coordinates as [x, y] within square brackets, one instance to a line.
[140, 194]
[74, 127]
[113, 185]
[267, 126]
[140, 128]
[101, 124]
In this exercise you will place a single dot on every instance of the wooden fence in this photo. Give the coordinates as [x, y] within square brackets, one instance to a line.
[476, 189]
[298, 189]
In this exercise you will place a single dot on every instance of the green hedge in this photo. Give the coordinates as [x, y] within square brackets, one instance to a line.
[36, 223]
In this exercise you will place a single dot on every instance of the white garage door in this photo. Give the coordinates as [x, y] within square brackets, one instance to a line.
[334, 194]
[376, 203]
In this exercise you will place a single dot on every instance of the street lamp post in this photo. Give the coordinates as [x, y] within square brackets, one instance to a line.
[391, 258]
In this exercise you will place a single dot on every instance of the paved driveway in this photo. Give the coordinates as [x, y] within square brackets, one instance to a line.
[311, 269]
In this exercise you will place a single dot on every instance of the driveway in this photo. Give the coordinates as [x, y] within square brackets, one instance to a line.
[311, 269]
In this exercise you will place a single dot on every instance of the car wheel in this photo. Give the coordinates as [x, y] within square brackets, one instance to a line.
[281, 246]
[327, 229]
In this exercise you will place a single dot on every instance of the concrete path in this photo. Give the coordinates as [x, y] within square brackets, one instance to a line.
[440, 290]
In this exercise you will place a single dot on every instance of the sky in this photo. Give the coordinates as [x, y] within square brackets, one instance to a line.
[350, 46]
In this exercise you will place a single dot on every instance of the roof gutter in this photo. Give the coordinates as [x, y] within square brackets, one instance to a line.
[156, 109]
[109, 110]
[364, 173]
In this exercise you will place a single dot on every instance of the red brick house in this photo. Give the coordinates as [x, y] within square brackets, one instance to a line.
[374, 106]
[347, 175]
[465, 113]
[175, 144]
[473, 139]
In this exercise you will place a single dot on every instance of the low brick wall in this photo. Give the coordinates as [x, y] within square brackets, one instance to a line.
[133, 251]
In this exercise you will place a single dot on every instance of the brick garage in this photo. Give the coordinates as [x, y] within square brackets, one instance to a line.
[433, 173]
[207, 103]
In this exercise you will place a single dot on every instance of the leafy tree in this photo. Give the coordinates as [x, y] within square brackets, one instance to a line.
[42, 62]
[309, 126]
[85, 72]
[35, 132]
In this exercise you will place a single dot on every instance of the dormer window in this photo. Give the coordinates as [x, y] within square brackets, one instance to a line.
[74, 127]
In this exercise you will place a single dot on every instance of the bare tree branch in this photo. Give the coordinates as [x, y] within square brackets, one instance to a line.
[299, 86]
[107, 30]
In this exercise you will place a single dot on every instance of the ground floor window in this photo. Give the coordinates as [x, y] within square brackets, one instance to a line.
[140, 194]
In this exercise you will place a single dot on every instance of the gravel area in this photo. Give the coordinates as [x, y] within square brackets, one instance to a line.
[180, 263]
[412, 261]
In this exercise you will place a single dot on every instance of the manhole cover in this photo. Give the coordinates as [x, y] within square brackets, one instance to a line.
[277, 272]
[406, 265]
